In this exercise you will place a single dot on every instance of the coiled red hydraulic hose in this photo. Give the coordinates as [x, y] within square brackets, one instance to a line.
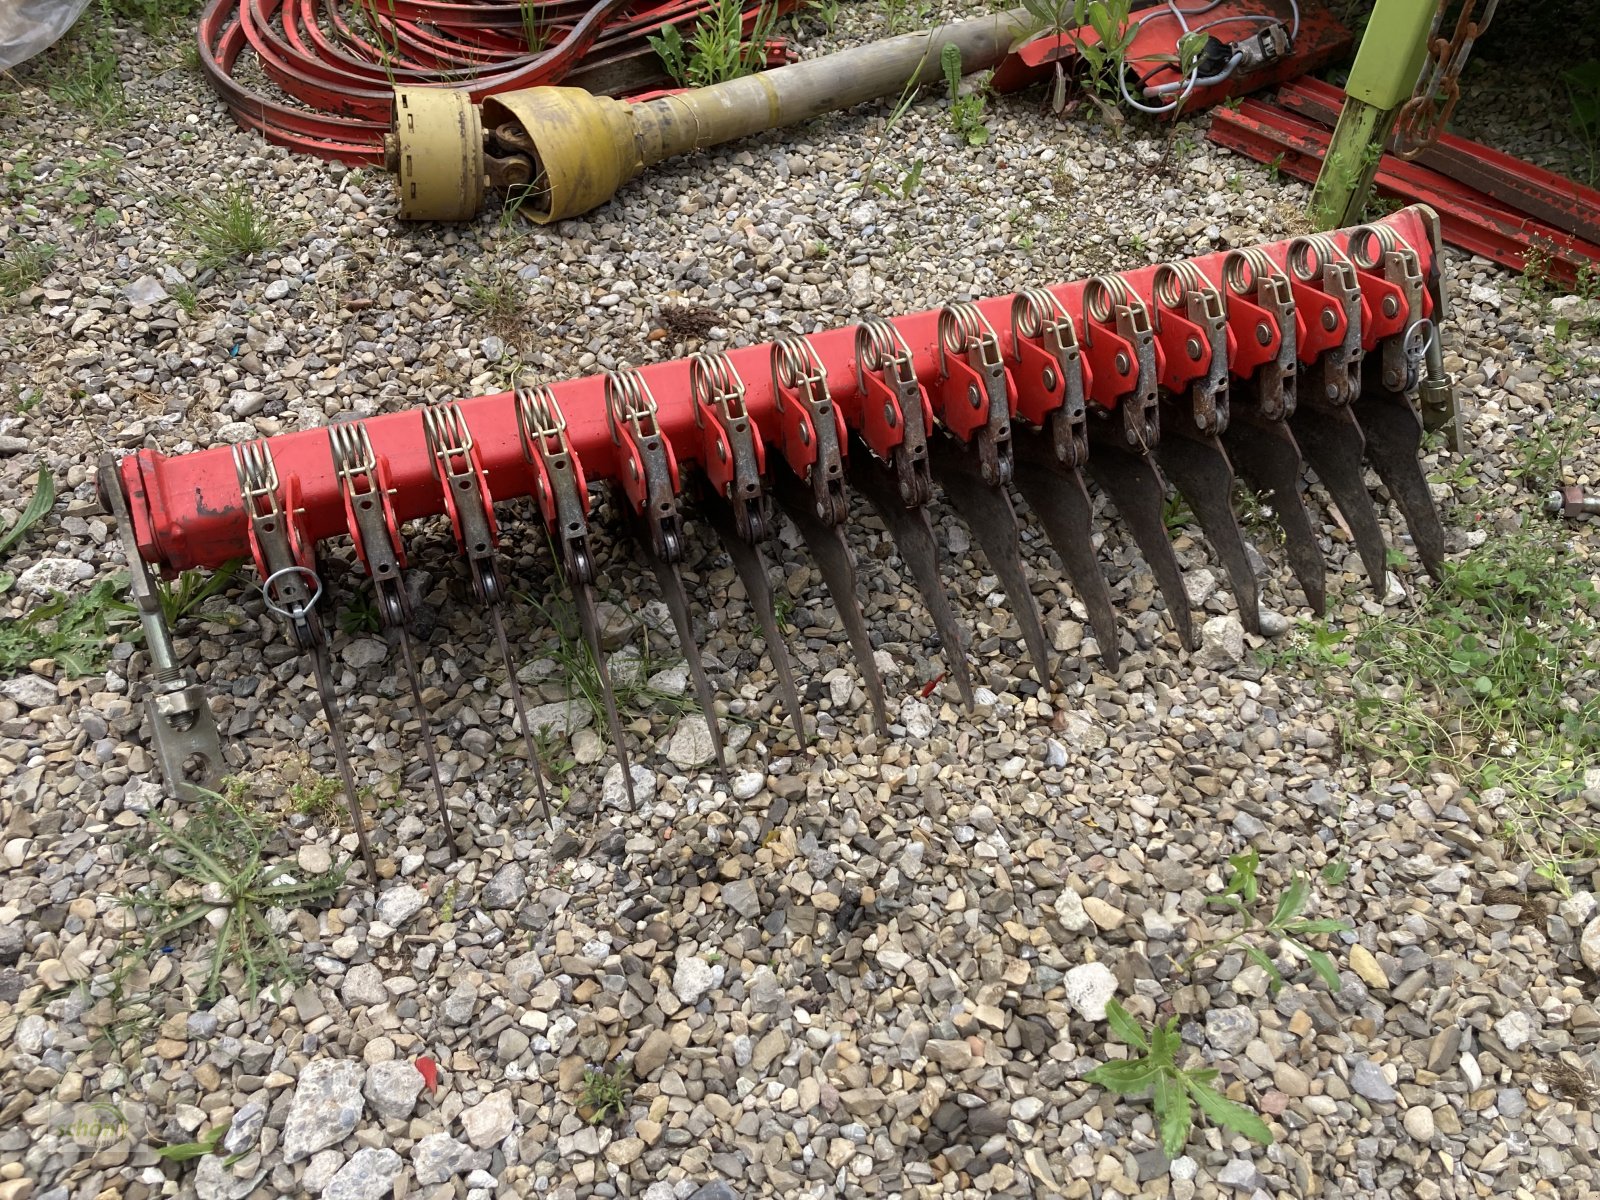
[335, 63]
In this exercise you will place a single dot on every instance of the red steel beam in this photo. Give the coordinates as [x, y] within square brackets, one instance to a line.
[1469, 219]
[1541, 194]
[187, 510]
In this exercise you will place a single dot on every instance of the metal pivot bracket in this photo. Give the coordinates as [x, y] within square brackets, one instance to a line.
[1049, 373]
[1124, 364]
[811, 431]
[467, 500]
[291, 587]
[561, 493]
[453, 456]
[369, 516]
[183, 729]
[649, 468]
[734, 458]
[894, 411]
[650, 478]
[1261, 314]
[1191, 322]
[974, 389]
[1334, 378]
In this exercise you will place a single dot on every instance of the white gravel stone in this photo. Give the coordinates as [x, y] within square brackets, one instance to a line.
[690, 745]
[30, 691]
[490, 1121]
[50, 575]
[692, 979]
[399, 904]
[326, 1106]
[1070, 911]
[369, 1175]
[392, 1088]
[1090, 987]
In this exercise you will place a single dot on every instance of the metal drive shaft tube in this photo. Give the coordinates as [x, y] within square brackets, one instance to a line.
[584, 147]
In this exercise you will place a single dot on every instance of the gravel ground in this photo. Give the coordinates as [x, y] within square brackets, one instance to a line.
[869, 967]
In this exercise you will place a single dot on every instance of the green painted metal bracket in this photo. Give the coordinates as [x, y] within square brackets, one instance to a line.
[1387, 65]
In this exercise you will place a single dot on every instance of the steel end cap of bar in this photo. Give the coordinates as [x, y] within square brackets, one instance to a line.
[435, 150]
[586, 147]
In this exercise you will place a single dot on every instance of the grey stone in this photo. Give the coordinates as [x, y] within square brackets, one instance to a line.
[30, 691]
[399, 904]
[1229, 1030]
[1221, 643]
[693, 978]
[392, 1088]
[437, 1158]
[244, 1131]
[742, 897]
[365, 652]
[560, 718]
[213, 1180]
[363, 987]
[1515, 1029]
[1070, 911]
[54, 575]
[1367, 1079]
[369, 1175]
[1511, 1102]
[144, 291]
[325, 1109]
[506, 889]
[1589, 945]
[321, 1170]
[690, 745]
[459, 1005]
[716, 1190]
[611, 791]
[1239, 1173]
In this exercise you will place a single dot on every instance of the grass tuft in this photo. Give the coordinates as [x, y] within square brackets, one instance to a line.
[1495, 679]
[24, 267]
[233, 225]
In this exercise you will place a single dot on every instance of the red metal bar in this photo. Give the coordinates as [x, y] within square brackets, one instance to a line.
[1470, 220]
[187, 510]
[1530, 189]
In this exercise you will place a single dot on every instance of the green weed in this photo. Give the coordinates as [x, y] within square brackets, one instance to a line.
[156, 17]
[39, 504]
[1175, 1090]
[76, 634]
[1241, 893]
[214, 872]
[1583, 92]
[825, 11]
[717, 49]
[966, 112]
[189, 593]
[361, 615]
[581, 670]
[605, 1094]
[184, 1151]
[1494, 679]
[87, 78]
[498, 300]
